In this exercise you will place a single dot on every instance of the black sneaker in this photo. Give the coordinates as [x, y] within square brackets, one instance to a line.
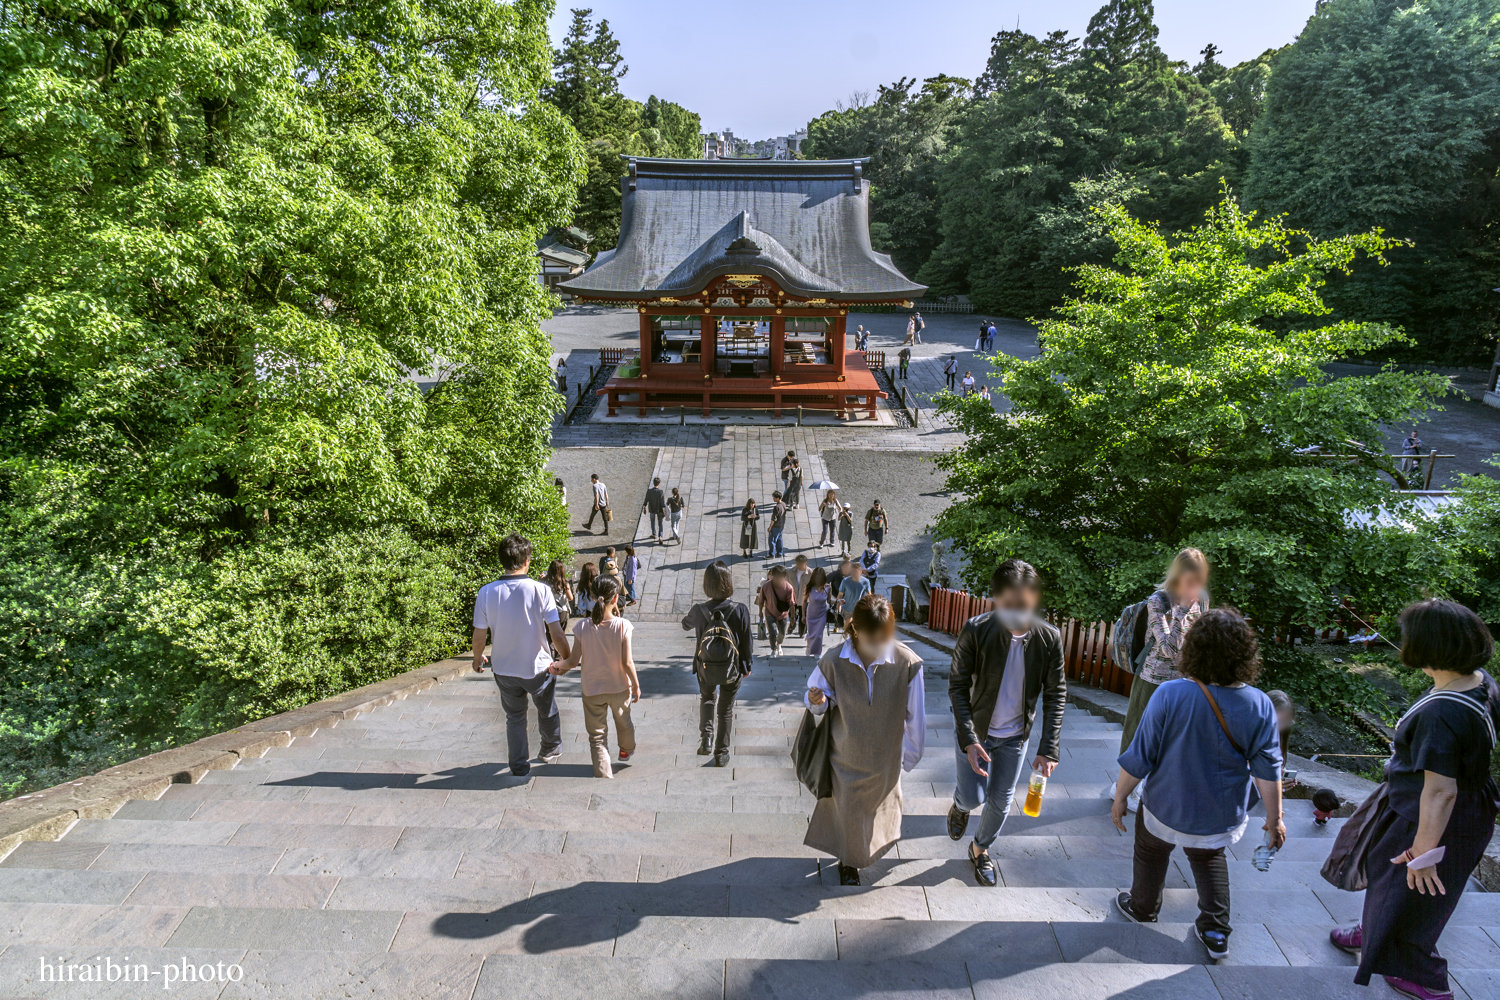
[549, 754]
[848, 875]
[1217, 943]
[1122, 903]
[704, 749]
[721, 758]
[520, 770]
[958, 822]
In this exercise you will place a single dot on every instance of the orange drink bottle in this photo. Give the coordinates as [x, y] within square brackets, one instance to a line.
[1034, 790]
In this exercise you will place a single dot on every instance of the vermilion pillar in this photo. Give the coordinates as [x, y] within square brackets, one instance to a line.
[708, 343]
[836, 343]
[646, 343]
[778, 345]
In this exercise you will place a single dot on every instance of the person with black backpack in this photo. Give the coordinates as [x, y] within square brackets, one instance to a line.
[722, 658]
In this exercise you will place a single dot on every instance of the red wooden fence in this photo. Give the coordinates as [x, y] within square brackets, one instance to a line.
[1086, 657]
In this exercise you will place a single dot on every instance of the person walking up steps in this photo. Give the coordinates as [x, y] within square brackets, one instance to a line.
[1003, 662]
[1178, 602]
[630, 571]
[676, 504]
[721, 658]
[749, 514]
[1205, 739]
[869, 561]
[828, 514]
[775, 549]
[798, 579]
[656, 507]
[600, 507]
[853, 587]
[815, 602]
[876, 523]
[793, 494]
[609, 679]
[879, 730]
[776, 604]
[519, 616]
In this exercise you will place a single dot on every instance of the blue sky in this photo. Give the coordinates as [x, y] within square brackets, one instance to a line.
[766, 67]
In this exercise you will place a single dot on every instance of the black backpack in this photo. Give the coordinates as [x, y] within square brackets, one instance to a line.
[718, 654]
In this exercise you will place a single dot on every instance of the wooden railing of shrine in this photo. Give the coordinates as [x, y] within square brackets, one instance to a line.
[616, 355]
[875, 360]
[1086, 647]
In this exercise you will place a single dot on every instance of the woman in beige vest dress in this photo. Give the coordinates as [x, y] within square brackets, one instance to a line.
[879, 730]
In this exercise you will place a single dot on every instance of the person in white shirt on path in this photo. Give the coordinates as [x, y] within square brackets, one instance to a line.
[880, 730]
[518, 615]
[600, 505]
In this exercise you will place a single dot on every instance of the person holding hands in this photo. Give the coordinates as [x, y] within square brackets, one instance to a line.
[610, 683]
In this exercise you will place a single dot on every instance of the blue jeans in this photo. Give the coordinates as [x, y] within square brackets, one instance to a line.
[514, 691]
[773, 538]
[995, 793]
[658, 522]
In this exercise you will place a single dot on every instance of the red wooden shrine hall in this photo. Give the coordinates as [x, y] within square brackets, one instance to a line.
[742, 273]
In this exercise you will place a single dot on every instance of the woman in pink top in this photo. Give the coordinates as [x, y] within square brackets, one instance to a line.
[608, 673]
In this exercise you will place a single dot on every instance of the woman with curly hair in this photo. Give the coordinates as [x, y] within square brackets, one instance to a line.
[1207, 739]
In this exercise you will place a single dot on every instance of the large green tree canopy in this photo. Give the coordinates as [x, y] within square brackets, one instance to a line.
[1164, 411]
[237, 234]
[1388, 113]
[905, 135]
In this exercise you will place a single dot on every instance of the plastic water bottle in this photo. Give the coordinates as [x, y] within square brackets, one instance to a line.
[1034, 790]
[1264, 854]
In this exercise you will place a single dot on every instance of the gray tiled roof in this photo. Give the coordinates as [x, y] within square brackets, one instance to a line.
[804, 223]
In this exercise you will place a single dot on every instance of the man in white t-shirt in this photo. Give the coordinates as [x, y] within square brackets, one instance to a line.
[518, 614]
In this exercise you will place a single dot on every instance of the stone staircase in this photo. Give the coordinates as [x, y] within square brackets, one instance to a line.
[395, 856]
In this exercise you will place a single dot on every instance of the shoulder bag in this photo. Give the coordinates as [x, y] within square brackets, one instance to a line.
[812, 753]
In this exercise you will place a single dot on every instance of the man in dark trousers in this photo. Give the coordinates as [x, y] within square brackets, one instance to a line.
[1002, 662]
[905, 358]
[656, 507]
[600, 505]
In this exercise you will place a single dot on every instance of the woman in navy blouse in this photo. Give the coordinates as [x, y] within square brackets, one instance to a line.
[1204, 740]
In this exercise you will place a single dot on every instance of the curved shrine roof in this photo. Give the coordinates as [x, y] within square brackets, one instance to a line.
[803, 223]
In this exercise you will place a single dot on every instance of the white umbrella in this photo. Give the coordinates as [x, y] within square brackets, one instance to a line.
[824, 484]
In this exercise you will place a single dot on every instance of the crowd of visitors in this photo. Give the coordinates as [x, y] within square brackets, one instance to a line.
[1202, 751]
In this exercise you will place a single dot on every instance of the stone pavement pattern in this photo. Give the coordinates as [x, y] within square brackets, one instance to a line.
[395, 856]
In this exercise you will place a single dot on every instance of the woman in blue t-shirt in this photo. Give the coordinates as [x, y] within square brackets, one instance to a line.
[1204, 739]
[1441, 796]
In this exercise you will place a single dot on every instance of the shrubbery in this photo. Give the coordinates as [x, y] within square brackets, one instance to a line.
[237, 234]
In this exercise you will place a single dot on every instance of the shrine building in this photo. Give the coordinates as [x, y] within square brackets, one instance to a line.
[743, 273]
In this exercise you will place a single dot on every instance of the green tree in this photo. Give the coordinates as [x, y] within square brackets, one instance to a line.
[1388, 113]
[587, 70]
[1110, 112]
[905, 134]
[1166, 412]
[679, 132]
[237, 234]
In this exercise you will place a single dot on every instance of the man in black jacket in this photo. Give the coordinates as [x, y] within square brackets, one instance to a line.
[1002, 662]
[656, 506]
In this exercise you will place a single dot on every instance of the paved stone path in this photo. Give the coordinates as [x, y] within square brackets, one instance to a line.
[394, 856]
